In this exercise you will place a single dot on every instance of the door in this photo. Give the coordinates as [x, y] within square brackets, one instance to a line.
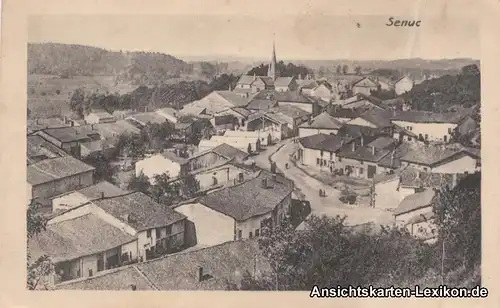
[371, 171]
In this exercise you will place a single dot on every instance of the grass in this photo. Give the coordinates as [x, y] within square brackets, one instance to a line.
[48, 95]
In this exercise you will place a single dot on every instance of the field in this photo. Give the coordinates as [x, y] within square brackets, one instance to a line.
[48, 95]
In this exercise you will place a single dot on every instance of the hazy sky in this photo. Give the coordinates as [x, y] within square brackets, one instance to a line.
[302, 37]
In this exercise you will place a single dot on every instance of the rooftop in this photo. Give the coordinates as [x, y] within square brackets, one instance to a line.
[290, 111]
[283, 81]
[55, 168]
[109, 190]
[224, 263]
[415, 201]
[323, 120]
[148, 117]
[378, 117]
[139, 211]
[39, 148]
[113, 130]
[412, 177]
[243, 111]
[345, 113]
[427, 117]
[101, 114]
[230, 152]
[356, 131]
[430, 155]
[82, 236]
[293, 96]
[70, 134]
[364, 153]
[234, 98]
[261, 104]
[330, 143]
[174, 157]
[38, 124]
[249, 198]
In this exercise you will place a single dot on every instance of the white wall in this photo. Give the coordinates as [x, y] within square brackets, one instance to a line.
[89, 262]
[404, 192]
[307, 131]
[386, 194]
[404, 85]
[68, 201]
[212, 227]
[435, 131]
[251, 225]
[157, 164]
[131, 248]
[361, 122]
[461, 165]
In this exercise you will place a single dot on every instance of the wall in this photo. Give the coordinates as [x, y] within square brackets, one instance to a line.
[224, 175]
[404, 85]
[405, 217]
[386, 194]
[461, 165]
[206, 160]
[130, 249]
[144, 242]
[54, 188]
[306, 131]
[212, 227]
[357, 166]
[89, 262]
[423, 230]
[157, 164]
[405, 191]
[435, 131]
[363, 90]
[322, 92]
[304, 106]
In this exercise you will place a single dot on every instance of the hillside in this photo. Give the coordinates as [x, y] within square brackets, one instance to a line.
[77, 60]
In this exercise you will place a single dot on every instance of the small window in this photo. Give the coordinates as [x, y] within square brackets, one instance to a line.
[318, 161]
[361, 162]
[340, 159]
[250, 235]
[91, 273]
[239, 234]
[331, 155]
[214, 179]
[361, 170]
[169, 229]
[321, 153]
[257, 232]
[445, 138]
[425, 168]
[449, 130]
[409, 138]
[158, 233]
[148, 233]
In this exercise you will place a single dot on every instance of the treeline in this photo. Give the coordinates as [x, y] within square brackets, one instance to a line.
[329, 253]
[284, 70]
[168, 95]
[440, 93]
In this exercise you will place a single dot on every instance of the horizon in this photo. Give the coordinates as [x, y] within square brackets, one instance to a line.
[308, 37]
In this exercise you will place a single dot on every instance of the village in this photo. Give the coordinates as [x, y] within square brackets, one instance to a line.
[272, 149]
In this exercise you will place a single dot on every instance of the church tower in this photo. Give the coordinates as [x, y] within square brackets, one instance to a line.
[271, 72]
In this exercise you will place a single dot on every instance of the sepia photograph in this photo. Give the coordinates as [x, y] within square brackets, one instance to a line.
[253, 152]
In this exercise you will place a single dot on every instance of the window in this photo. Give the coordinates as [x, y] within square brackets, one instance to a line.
[158, 233]
[409, 138]
[449, 130]
[90, 272]
[214, 179]
[321, 153]
[148, 233]
[239, 234]
[257, 232]
[331, 155]
[340, 159]
[361, 170]
[318, 161]
[361, 162]
[445, 138]
[169, 229]
[250, 234]
[425, 168]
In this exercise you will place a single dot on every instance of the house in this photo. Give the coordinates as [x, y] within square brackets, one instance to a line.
[169, 113]
[385, 191]
[428, 125]
[99, 116]
[184, 129]
[216, 156]
[54, 176]
[241, 143]
[252, 84]
[375, 118]
[216, 176]
[438, 158]
[322, 91]
[467, 126]
[364, 86]
[293, 116]
[306, 86]
[111, 131]
[222, 123]
[70, 138]
[361, 101]
[282, 84]
[241, 211]
[165, 162]
[84, 195]
[320, 151]
[344, 115]
[157, 229]
[403, 85]
[270, 122]
[122, 114]
[264, 137]
[358, 131]
[96, 147]
[403, 134]
[361, 160]
[215, 102]
[415, 213]
[386, 84]
[39, 149]
[297, 99]
[321, 124]
[241, 114]
[207, 268]
[140, 120]
[82, 246]
[45, 123]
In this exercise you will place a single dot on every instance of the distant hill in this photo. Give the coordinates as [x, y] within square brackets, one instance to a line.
[78, 60]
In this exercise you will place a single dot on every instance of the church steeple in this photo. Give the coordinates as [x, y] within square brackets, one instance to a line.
[271, 72]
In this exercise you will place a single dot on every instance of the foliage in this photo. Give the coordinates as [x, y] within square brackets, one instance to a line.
[345, 69]
[384, 94]
[103, 169]
[131, 145]
[440, 93]
[42, 267]
[283, 70]
[139, 183]
[189, 186]
[458, 213]
[357, 70]
[338, 69]
[391, 74]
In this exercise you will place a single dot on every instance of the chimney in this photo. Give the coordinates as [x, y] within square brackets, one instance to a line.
[373, 150]
[200, 274]
[133, 287]
[264, 183]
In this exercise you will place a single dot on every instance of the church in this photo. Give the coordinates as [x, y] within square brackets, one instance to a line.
[249, 84]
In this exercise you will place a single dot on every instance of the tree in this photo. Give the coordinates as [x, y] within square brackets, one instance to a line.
[164, 189]
[189, 185]
[103, 169]
[357, 69]
[76, 101]
[139, 183]
[42, 267]
[345, 69]
[249, 149]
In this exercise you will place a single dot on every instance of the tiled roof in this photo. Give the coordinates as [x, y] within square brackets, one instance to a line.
[355, 131]
[427, 117]
[307, 84]
[415, 201]
[330, 143]
[380, 118]
[230, 152]
[246, 79]
[121, 278]
[235, 99]
[143, 210]
[269, 115]
[38, 147]
[283, 81]
[345, 113]
[83, 236]
[225, 263]
[55, 168]
[69, 134]
[224, 119]
[148, 117]
[268, 81]
[324, 120]
[293, 96]
[364, 82]
[430, 155]
[363, 153]
[249, 198]
[168, 110]
[101, 114]
[38, 124]
[261, 104]
[243, 111]
[113, 130]
[290, 111]
[174, 157]
[383, 143]
[94, 191]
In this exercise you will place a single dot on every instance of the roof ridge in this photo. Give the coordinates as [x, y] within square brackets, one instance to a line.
[143, 275]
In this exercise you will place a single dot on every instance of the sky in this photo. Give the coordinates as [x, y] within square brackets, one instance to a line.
[299, 37]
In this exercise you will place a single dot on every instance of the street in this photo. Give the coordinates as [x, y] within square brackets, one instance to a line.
[329, 205]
